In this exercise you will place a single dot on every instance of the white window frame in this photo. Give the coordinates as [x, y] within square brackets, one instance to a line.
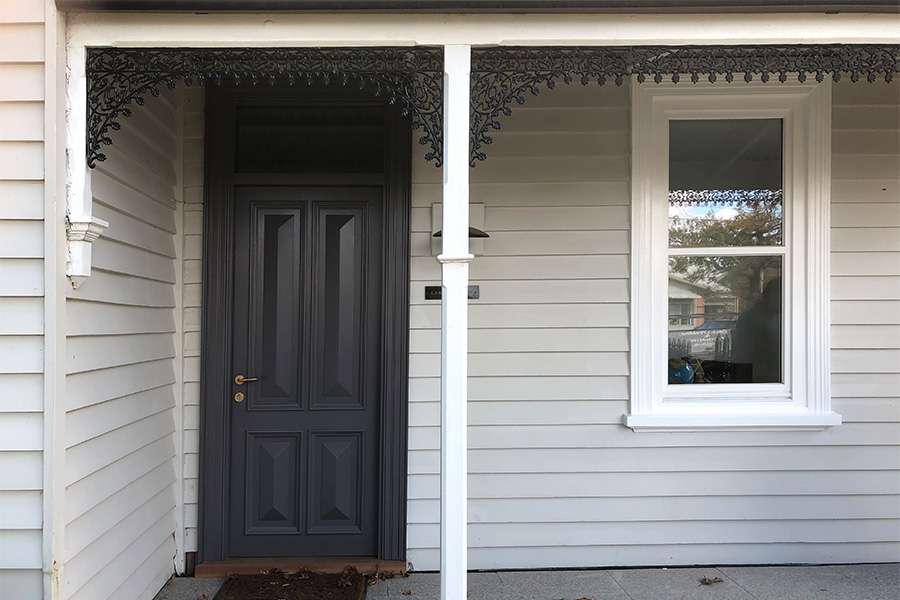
[803, 400]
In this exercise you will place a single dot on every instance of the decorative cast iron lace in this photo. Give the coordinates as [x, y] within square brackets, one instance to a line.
[413, 77]
[502, 76]
[724, 197]
[120, 77]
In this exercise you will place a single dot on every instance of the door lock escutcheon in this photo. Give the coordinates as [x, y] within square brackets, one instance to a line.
[241, 379]
[239, 397]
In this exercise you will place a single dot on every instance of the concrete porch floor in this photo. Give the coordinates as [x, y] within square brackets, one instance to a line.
[844, 582]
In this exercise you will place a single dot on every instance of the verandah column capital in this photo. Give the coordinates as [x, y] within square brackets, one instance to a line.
[445, 259]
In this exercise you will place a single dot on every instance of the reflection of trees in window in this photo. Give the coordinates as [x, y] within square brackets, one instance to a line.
[758, 222]
[754, 219]
[745, 279]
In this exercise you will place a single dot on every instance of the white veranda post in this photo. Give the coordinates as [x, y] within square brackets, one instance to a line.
[454, 259]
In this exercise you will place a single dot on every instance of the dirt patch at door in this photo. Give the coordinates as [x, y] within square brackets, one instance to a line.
[275, 585]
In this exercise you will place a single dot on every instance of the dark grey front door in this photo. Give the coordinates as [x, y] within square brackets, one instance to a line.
[304, 437]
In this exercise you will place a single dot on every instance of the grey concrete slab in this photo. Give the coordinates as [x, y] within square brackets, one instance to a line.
[852, 582]
[486, 586]
[507, 585]
[190, 588]
[427, 586]
[678, 584]
[560, 585]
[378, 591]
[417, 586]
[848, 582]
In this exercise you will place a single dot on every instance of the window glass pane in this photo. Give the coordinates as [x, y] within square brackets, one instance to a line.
[725, 319]
[725, 183]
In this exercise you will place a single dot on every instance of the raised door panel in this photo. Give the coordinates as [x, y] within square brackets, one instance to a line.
[276, 306]
[335, 482]
[339, 342]
[273, 474]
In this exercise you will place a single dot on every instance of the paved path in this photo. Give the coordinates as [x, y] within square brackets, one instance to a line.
[855, 582]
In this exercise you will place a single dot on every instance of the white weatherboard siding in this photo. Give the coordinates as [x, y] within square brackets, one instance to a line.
[192, 143]
[121, 371]
[21, 296]
[554, 479]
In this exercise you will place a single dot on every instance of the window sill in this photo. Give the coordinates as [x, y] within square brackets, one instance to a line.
[762, 422]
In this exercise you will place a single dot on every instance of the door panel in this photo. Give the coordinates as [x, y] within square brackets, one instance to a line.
[304, 451]
[335, 491]
[273, 468]
[338, 338]
[277, 304]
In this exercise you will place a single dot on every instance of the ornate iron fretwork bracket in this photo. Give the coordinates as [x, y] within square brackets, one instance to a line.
[120, 77]
[503, 76]
[413, 77]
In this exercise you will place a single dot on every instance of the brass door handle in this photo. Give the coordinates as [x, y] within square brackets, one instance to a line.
[241, 380]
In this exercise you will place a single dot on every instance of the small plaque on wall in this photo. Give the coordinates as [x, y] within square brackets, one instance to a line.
[433, 292]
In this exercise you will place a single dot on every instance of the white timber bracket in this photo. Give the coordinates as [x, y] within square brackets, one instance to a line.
[455, 258]
[81, 233]
[82, 227]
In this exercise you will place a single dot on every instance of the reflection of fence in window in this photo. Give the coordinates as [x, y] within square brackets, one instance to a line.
[702, 345]
[679, 347]
[723, 346]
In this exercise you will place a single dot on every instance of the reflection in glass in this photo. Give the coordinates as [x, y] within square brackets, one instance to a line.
[725, 183]
[725, 319]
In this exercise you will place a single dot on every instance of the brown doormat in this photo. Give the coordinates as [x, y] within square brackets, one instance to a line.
[275, 585]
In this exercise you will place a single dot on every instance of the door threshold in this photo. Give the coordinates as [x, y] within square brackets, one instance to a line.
[319, 564]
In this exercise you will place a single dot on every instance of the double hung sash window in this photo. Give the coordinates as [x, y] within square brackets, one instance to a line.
[730, 256]
[726, 253]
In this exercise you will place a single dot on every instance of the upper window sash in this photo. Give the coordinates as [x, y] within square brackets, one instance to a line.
[725, 182]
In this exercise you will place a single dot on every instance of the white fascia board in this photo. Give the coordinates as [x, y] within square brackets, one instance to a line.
[268, 30]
